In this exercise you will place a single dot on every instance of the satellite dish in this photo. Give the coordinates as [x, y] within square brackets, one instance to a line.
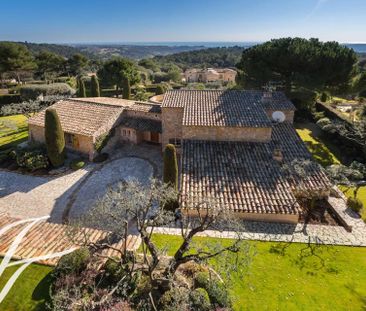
[278, 116]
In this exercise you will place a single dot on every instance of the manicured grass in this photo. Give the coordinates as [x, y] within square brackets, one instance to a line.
[10, 137]
[320, 151]
[333, 278]
[30, 291]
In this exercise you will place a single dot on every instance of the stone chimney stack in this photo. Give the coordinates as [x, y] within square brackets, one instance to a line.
[267, 96]
[277, 152]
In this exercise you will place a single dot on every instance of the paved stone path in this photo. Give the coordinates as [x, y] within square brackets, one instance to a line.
[320, 234]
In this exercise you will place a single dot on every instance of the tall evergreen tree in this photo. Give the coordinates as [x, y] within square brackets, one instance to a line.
[94, 86]
[126, 92]
[55, 140]
[81, 88]
[170, 174]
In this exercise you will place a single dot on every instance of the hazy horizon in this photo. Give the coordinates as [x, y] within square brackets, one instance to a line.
[121, 21]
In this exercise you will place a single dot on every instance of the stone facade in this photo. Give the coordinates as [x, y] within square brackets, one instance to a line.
[133, 136]
[210, 75]
[75, 142]
[289, 114]
[172, 119]
[220, 133]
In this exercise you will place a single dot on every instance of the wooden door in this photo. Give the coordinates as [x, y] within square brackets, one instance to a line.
[154, 137]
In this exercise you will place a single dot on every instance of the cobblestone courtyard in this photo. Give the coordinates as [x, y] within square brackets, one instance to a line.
[25, 196]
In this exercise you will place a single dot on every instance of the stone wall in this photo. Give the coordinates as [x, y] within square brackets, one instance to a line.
[227, 133]
[172, 119]
[281, 218]
[142, 114]
[82, 144]
[289, 114]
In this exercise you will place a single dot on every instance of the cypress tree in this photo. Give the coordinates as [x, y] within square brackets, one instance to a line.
[170, 174]
[81, 88]
[55, 140]
[126, 92]
[94, 86]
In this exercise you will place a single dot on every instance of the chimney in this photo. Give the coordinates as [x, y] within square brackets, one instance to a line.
[267, 95]
[277, 152]
[277, 155]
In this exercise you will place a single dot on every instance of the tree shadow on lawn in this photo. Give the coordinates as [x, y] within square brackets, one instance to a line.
[311, 258]
[320, 153]
[41, 292]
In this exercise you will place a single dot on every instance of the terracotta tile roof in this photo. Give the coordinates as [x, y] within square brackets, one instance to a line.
[225, 107]
[141, 124]
[81, 117]
[145, 107]
[243, 176]
[109, 101]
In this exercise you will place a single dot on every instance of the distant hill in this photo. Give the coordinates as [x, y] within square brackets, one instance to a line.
[212, 57]
[63, 50]
[133, 51]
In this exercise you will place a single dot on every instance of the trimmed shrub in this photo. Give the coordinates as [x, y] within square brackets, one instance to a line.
[113, 271]
[170, 174]
[94, 87]
[199, 300]
[74, 262]
[216, 290]
[101, 157]
[354, 204]
[32, 91]
[324, 97]
[8, 99]
[201, 279]
[160, 89]
[176, 299]
[77, 164]
[126, 92]
[362, 93]
[323, 122]
[32, 160]
[55, 140]
[81, 88]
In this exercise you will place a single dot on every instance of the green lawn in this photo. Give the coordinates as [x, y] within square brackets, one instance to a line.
[10, 137]
[331, 279]
[321, 152]
[30, 291]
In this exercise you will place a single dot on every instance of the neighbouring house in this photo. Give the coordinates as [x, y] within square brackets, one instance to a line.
[85, 120]
[210, 75]
[232, 145]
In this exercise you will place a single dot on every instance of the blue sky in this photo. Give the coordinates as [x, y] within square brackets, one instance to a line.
[180, 20]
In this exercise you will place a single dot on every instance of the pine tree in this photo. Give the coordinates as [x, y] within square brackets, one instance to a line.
[126, 92]
[94, 87]
[81, 88]
[170, 174]
[55, 140]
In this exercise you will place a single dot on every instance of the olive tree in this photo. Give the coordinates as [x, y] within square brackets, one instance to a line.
[131, 207]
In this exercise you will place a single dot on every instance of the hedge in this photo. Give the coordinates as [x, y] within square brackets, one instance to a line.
[32, 91]
[8, 99]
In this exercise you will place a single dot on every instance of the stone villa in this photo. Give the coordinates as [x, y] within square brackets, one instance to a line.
[210, 75]
[232, 144]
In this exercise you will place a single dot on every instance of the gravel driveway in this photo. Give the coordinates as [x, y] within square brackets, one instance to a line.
[24, 196]
[96, 184]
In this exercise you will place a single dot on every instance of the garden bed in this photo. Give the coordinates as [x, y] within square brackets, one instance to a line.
[322, 214]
